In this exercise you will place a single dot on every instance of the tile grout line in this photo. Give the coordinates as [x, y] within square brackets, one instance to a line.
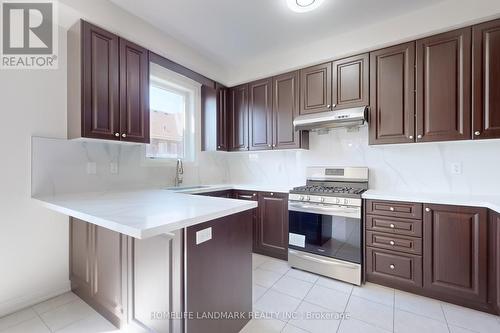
[345, 309]
[393, 310]
[444, 315]
[43, 321]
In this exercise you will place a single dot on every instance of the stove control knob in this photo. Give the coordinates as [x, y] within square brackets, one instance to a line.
[308, 198]
[322, 199]
[301, 198]
[346, 201]
[338, 201]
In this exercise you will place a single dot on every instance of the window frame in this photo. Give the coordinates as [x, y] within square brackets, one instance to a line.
[177, 83]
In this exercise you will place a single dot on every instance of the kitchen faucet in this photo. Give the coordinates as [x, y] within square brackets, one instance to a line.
[179, 171]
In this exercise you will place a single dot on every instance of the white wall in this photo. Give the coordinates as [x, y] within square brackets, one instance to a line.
[441, 17]
[33, 240]
[407, 168]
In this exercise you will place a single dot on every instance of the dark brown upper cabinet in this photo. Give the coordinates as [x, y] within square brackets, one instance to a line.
[214, 118]
[392, 86]
[455, 253]
[486, 69]
[134, 92]
[222, 135]
[285, 109]
[100, 82]
[350, 82]
[260, 109]
[238, 118]
[272, 225]
[316, 89]
[108, 86]
[444, 87]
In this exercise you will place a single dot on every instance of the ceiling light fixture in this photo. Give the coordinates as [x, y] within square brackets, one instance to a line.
[302, 6]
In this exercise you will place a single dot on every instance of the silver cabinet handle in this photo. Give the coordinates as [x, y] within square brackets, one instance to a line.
[392, 243]
[392, 267]
[477, 133]
[392, 226]
[427, 209]
[269, 146]
[117, 134]
[218, 147]
[329, 106]
[274, 145]
[391, 209]
[272, 193]
[411, 137]
[124, 135]
[255, 194]
[419, 136]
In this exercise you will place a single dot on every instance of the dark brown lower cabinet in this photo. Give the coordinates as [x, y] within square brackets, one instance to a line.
[455, 253]
[494, 261]
[253, 196]
[219, 273]
[272, 225]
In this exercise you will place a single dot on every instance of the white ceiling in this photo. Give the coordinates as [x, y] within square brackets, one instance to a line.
[234, 32]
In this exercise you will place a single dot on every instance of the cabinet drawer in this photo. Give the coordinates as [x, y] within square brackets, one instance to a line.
[408, 210]
[394, 225]
[394, 243]
[392, 268]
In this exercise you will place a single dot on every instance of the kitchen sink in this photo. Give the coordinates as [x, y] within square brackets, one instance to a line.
[186, 188]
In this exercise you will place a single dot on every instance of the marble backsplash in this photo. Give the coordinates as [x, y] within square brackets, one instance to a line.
[425, 167]
[60, 166]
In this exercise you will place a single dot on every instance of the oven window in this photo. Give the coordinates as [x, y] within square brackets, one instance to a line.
[332, 236]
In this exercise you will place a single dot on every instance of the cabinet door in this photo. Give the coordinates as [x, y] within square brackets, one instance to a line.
[109, 271]
[285, 109]
[444, 87]
[79, 270]
[250, 195]
[222, 119]
[392, 112]
[238, 115]
[272, 230]
[494, 260]
[316, 88]
[134, 92]
[260, 108]
[455, 252]
[486, 80]
[209, 118]
[100, 83]
[350, 82]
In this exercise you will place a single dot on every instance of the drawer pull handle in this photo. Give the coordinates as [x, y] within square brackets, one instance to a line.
[427, 210]
[391, 209]
[392, 267]
[392, 226]
[392, 243]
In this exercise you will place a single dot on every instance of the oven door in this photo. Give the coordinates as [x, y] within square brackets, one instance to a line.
[326, 230]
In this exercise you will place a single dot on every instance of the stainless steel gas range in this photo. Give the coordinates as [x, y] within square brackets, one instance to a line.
[325, 223]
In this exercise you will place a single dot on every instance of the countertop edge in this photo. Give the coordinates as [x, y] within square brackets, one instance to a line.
[439, 199]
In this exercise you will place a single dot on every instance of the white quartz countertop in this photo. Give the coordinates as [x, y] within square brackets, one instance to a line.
[144, 213]
[472, 200]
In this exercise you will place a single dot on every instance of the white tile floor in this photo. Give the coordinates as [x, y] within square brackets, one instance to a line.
[278, 291]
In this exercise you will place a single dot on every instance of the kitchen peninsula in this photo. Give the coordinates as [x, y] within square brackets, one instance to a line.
[145, 257]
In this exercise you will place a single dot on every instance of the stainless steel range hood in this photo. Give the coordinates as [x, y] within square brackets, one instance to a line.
[353, 117]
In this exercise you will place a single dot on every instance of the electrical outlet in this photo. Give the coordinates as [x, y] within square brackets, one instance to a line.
[203, 235]
[91, 168]
[113, 168]
[456, 168]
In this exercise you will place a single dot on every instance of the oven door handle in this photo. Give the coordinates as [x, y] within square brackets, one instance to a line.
[321, 261]
[345, 211]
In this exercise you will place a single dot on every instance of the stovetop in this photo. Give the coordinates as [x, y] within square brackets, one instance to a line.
[327, 190]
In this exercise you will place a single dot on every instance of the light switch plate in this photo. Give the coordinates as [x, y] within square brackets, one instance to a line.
[91, 168]
[203, 235]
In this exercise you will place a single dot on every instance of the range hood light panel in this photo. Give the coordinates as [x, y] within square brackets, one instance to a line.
[302, 6]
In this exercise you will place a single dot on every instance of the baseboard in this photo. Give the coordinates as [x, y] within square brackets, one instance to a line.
[25, 301]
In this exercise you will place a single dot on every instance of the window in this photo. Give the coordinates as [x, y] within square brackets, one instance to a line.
[172, 105]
